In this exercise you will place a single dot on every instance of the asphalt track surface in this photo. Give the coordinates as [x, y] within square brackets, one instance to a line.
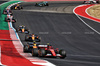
[63, 30]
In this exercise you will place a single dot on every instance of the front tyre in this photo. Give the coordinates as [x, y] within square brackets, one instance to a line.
[42, 52]
[35, 52]
[62, 53]
[47, 4]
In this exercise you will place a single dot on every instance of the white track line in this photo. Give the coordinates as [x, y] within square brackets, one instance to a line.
[84, 21]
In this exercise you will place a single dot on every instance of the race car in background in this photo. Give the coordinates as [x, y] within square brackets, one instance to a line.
[16, 7]
[22, 29]
[7, 11]
[48, 51]
[32, 37]
[29, 46]
[91, 2]
[10, 18]
[41, 4]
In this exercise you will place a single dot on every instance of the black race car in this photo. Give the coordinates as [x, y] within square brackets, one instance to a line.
[16, 7]
[22, 29]
[32, 37]
[41, 4]
[29, 46]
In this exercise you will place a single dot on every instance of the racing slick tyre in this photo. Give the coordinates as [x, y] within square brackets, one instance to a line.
[12, 8]
[84, 2]
[26, 31]
[62, 53]
[21, 7]
[47, 4]
[42, 52]
[18, 8]
[39, 40]
[13, 20]
[16, 30]
[25, 48]
[35, 52]
[91, 2]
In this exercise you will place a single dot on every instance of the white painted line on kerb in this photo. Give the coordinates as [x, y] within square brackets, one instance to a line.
[84, 21]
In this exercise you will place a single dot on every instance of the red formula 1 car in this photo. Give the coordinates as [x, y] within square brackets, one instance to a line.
[48, 51]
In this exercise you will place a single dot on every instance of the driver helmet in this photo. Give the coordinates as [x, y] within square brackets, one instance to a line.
[48, 43]
[17, 4]
[22, 25]
[32, 34]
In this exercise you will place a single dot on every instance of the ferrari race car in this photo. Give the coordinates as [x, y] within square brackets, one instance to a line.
[10, 18]
[22, 29]
[32, 37]
[48, 51]
[7, 11]
[29, 46]
[41, 4]
[16, 7]
[90, 2]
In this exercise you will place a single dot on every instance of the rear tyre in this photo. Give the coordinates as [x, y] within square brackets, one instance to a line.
[47, 4]
[25, 48]
[35, 52]
[21, 7]
[16, 30]
[14, 20]
[62, 53]
[26, 31]
[42, 52]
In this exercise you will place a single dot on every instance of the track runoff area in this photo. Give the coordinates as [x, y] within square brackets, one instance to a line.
[18, 55]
